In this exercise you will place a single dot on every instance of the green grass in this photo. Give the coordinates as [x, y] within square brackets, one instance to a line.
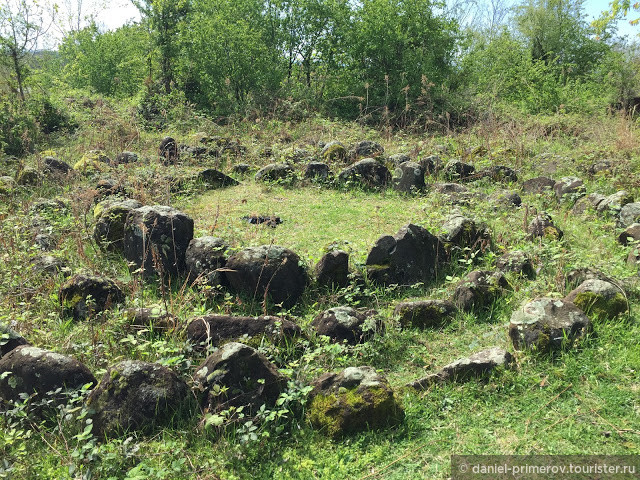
[579, 402]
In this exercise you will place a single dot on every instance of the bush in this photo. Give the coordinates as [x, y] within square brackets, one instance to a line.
[18, 128]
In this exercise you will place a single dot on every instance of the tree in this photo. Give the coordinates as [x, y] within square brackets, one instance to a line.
[557, 33]
[165, 18]
[23, 23]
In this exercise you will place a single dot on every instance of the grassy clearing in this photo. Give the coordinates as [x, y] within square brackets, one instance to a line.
[578, 402]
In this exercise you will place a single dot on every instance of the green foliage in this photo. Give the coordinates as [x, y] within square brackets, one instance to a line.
[18, 128]
[110, 63]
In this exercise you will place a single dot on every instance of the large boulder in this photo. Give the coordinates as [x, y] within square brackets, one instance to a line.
[456, 170]
[547, 324]
[28, 177]
[464, 369]
[613, 204]
[168, 151]
[629, 214]
[345, 324]
[569, 187]
[631, 235]
[135, 396]
[425, 313]
[237, 375]
[203, 258]
[368, 173]
[215, 329]
[269, 269]
[275, 172]
[460, 232]
[518, 262]
[55, 167]
[213, 179]
[408, 177]
[587, 203]
[31, 370]
[332, 271]
[110, 223]
[410, 256]
[317, 172]
[599, 299]
[156, 238]
[334, 152]
[538, 185]
[85, 295]
[479, 289]
[351, 401]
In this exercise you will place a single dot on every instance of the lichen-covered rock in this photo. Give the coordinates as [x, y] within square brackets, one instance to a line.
[108, 188]
[334, 152]
[135, 396]
[9, 339]
[345, 324]
[479, 289]
[547, 324]
[204, 257]
[629, 214]
[577, 276]
[572, 187]
[168, 151]
[269, 269]
[542, 226]
[518, 262]
[213, 179]
[630, 235]
[31, 370]
[410, 256]
[237, 375]
[275, 172]
[332, 270]
[408, 178]
[49, 207]
[86, 295]
[589, 202]
[460, 232]
[215, 329]
[465, 369]
[538, 185]
[366, 148]
[456, 170]
[599, 299]
[28, 177]
[108, 231]
[425, 313]
[351, 401]
[156, 238]
[368, 173]
[613, 203]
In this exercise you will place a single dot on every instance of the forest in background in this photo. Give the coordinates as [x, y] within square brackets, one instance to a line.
[387, 63]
